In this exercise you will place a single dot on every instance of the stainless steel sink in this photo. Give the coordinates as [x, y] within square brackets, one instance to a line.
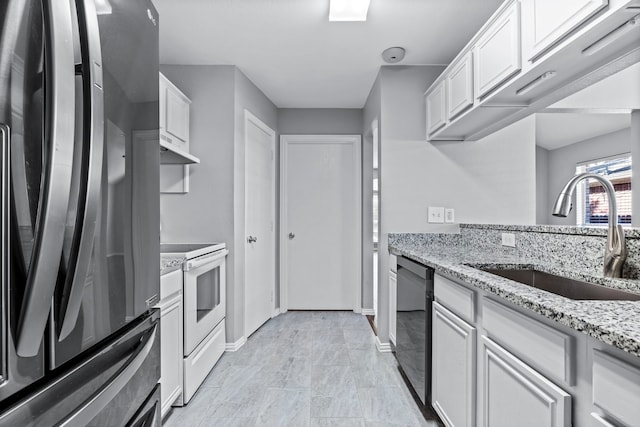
[569, 288]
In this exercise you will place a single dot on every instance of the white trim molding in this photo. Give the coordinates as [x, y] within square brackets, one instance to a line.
[276, 313]
[368, 312]
[383, 347]
[235, 346]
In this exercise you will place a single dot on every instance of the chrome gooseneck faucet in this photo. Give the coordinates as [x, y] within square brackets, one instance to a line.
[615, 253]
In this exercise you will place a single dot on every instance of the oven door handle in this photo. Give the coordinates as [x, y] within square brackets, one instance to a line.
[203, 260]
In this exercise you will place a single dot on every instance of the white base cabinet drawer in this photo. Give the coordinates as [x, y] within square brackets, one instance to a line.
[513, 393]
[542, 346]
[457, 298]
[170, 283]
[616, 388]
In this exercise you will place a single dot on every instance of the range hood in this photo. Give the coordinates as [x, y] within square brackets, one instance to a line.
[171, 155]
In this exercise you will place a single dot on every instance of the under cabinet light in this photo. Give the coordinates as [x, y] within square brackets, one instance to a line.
[535, 83]
[348, 10]
[612, 36]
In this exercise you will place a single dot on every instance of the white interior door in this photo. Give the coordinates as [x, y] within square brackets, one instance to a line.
[321, 222]
[259, 223]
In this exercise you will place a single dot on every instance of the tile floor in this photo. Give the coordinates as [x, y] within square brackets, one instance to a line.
[304, 369]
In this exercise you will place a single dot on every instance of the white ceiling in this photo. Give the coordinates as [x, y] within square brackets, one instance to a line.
[299, 59]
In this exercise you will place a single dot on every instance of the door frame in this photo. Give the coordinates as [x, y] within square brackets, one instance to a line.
[356, 142]
[249, 117]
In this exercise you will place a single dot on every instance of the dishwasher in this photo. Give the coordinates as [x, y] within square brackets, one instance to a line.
[413, 324]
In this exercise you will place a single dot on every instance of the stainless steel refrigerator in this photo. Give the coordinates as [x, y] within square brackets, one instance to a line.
[79, 340]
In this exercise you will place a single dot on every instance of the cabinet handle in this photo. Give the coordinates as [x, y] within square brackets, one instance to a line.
[252, 239]
[291, 236]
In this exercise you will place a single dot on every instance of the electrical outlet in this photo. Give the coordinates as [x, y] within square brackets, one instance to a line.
[449, 215]
[509, 239]
[436, 215]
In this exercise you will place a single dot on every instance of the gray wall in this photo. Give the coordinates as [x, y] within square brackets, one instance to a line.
[563, 161]
[200, 216]
[402, 117]
[542, 185]
[370, 117]
[320, 121]
[487, 181]
[213, 210]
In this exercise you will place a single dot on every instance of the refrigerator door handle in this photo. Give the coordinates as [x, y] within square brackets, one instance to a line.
[102, 397]
[54, 199]
[93, 136]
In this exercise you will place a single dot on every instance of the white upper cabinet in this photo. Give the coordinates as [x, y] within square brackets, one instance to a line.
[436, 109]
[174, 115]
[547, 21]
[460, 86]
[497, 55]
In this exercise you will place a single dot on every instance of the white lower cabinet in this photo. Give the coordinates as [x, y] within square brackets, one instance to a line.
[513, 393]
[171, 357]
[170, 353]
[393, 303]
[453, 384]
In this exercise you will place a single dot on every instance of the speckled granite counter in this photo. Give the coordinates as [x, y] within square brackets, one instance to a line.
[169, 263]
[616, 323]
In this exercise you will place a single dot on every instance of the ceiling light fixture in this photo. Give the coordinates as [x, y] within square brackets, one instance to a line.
[348, 10]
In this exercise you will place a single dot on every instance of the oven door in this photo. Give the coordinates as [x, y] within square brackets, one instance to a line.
[204, 297]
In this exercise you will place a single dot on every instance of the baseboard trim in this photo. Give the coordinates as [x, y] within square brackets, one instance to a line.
[276, 313]
[235, 346]
[368, 312]
[383, 347]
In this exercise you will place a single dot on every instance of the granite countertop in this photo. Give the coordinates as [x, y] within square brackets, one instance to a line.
[616, 323]
[169, 263]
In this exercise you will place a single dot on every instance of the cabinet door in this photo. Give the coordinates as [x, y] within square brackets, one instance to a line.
[460, 86]
[515, 394]
[547, 21]
[497, 55]
[170, 351]
[453, 387]
[177, 112]
[436, 110]
[393, 298]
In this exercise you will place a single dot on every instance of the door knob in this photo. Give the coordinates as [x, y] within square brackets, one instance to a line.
[252, 239]
[291, 236]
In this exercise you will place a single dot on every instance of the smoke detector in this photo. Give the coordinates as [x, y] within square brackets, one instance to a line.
[393, 55]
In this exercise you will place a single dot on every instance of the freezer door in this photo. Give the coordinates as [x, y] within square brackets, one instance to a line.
[108, 388]
[110, 271]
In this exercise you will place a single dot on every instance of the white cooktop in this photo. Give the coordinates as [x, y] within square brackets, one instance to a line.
[190, 250]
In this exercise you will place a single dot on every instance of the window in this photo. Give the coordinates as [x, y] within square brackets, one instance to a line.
[592, 203]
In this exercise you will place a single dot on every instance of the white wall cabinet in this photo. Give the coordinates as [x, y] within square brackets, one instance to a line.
[515, 394]
[171, 372]
[453, 387]
[545, 22]
[174, 115]
[436, 109]
[393, 303]
[497, 55]
[459, 86]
